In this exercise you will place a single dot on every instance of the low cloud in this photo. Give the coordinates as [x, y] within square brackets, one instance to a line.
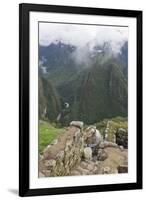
[81, 35]
[84, 37]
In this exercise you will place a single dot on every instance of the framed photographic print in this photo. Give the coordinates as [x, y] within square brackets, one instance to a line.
[80, 99]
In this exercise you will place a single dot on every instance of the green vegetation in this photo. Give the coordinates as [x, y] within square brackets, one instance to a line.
[47, 133]
[103, 93]
[112, 125]
[48, 99]
[94, 90]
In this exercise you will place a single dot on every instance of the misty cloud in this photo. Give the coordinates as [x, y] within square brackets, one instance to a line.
[84, 37]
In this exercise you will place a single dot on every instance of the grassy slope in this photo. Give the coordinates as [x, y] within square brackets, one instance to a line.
[47, 133]
[97, 92]
[103, 93]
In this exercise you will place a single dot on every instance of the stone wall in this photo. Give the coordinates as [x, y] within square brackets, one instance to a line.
[80, 151]
[59, 158]
[122, 137]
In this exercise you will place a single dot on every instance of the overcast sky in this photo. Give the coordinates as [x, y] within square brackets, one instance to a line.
[82, 35]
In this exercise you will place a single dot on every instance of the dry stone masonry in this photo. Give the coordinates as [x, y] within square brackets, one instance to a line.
[82, 152]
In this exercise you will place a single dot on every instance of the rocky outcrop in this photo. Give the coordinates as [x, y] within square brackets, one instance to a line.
[114, 161]
[102, 155]
[122, 137]
[78, 152]
[58, 159]
[85, 167]
[106, 144]
[92, 136]
[122, 169]
[117, 132]
[87, 153]
[77, 124]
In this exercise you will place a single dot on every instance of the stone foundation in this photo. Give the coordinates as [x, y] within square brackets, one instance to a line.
[78, 152]
[59, 159]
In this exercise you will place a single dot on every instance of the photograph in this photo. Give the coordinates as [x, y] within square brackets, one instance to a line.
[82, 99]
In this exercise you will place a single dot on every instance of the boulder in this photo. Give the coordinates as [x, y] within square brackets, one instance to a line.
[122, 131]
[92, 137]
[47, 173]
[106, 170]
[114, 171]
[121, 148]
[60, 156]
[75, 173]
[122, 169]
[102, 155]
[77, 124]
[122, 137]
[91, 166]
[88, 153]
[98, 136]
[41, 175]
[90, 128]
[50, 163]
[82, 170]
[84, 164]
[106, 144]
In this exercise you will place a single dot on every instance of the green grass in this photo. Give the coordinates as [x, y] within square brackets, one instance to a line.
[114, 125]
[47, 133]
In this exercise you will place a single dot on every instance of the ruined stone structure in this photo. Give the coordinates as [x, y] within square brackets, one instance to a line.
[58, 159]
[82, 152]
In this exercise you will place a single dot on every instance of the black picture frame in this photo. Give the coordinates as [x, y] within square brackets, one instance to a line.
[24, 9]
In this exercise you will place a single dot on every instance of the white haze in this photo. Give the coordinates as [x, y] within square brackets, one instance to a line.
[81, 35]
[84, 37]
